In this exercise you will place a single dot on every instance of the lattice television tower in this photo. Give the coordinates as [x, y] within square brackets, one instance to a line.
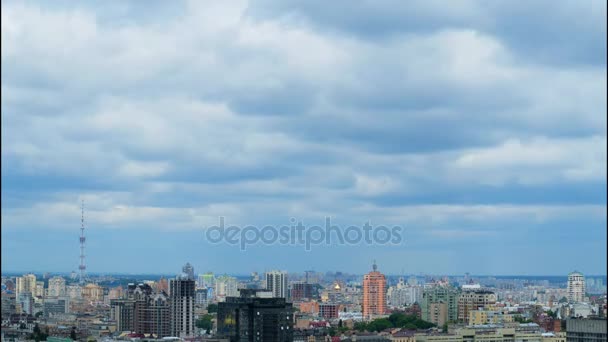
[82, 267]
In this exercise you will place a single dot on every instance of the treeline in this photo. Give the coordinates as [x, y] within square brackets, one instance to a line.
[395, 320]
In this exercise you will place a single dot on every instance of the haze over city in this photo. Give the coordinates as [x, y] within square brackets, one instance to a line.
[477, 126]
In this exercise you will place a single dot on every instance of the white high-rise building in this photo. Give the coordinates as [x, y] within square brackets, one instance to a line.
[276, 282]
[226, 286]
[56, 287]
[74, 291]
[576, 287]
[26, 284]
[39, 292]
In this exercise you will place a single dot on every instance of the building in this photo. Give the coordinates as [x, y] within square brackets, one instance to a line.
[142, 311]
[311, 307]
[53, 306]
[251, 318]
[123, 313]
[92, 293]
[9, 305]
[437, 294]
[74, 291]
[206, 280]
[473, 300]
[576, 287]
[586, 329]
[201, 297]
[181, 295]
[329, 310]
[26, 283]
[188, 270]
[479, 317]
[225, 286]
[39, 292]
[25, 303]
[400, 296]
[276, 282]
[302, 291]
[56, 287]
[374, 293]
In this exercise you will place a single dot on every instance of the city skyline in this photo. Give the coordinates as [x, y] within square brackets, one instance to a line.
[479, 127]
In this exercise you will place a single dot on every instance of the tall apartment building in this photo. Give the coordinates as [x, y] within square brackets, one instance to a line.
[206, 280]
[404, 295]
[188, 270]
[181, 295]
[201, 297]
[26, 283]
[276, 282]
[302, 291]
[225, 286]
[25, 303]
[576, 287]
[250, 317]
[74, 291]
[142, 311]
[374, 293]
[92, 292]
[440, 294]
[39, 291]
[473, 300]
[56, 287]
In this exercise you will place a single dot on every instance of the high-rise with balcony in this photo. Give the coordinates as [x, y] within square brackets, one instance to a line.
[576, 287]
[26, 284]
[433, 299]
[374, 293]
[276, 282]
[182, 295]
[56, 287]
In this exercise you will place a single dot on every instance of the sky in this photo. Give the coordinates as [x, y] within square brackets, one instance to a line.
[478, 126]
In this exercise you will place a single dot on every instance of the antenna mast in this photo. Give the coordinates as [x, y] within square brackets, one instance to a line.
[82, 267]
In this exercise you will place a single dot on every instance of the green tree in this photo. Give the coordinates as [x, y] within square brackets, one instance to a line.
[73, 333]
[360, 326]
[380, 324]
[205, 323]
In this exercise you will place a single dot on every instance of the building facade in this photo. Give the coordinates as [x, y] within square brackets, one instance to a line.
[473, 300]
[251, 318]
[576, 287]
[225, 286]
[586, 330]
[182, 294]
[276, 282]
[56, 287]
[437, 294]
[374, 293]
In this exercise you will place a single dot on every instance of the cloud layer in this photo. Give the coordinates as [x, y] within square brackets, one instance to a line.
[476, 125]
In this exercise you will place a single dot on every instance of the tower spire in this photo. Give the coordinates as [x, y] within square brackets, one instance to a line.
[82, 267]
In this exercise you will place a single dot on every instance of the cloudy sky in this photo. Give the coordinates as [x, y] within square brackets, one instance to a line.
[479, 126]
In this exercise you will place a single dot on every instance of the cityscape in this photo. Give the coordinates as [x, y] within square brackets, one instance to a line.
[278, 305]
[304, 171]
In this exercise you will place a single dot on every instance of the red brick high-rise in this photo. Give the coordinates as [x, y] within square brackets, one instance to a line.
[374, 293]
